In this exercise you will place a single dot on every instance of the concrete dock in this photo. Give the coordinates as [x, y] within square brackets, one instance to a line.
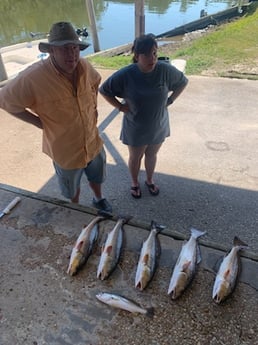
[207, 172]
[40, 304]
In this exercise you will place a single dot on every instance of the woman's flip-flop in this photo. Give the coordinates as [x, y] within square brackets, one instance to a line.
[153, 189]
[136, 192]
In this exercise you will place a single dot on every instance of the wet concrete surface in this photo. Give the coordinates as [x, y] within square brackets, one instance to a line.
[41, 305]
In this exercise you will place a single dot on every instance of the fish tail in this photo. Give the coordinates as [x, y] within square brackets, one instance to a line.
[197, 233]
[158, 227]
[125, 218]
[154, 227]
[105, 214]
[150, 312]
[153, 224]
[239, 243]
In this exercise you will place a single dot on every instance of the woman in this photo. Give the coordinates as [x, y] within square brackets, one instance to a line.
[147, 86]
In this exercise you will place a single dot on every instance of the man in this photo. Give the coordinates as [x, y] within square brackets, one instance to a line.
[59, 95]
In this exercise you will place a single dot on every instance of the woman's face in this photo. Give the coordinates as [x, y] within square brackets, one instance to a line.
[147, 62]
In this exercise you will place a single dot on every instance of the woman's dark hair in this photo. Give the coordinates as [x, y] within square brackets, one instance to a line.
[144, 44]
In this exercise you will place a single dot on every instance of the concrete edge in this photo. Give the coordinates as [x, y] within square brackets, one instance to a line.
[133, 222]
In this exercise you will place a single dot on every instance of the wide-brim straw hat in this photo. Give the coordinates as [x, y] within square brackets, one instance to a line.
[60, 34]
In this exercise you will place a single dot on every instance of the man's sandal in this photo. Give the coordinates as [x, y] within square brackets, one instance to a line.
[153, 189]
[136, 192]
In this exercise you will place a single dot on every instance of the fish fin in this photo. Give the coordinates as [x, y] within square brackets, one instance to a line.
[217, 264]
[102, 248]
[145, 259]
[226, 274]
[158, 248]
[185, 266]
[94, 234]
[238, 242]
[198, 255]
[103, 242]
[79, 245]
[109, 249]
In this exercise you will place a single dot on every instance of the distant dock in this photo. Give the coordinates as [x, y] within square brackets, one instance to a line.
[206, 20]
[17, 57]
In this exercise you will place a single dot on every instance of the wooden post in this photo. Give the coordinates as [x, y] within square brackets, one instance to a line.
[139, 18]
[3, 74]
[91, 15]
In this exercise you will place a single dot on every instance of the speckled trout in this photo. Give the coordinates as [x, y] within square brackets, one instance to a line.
[148, 258]
[111, 250]
[228, 272]
[185, 267]
[120, 302]
[84, 244]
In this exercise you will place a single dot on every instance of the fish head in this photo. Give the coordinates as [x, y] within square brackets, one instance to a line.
[75, 262]
[102, 296]
[144, 278]
[221, 291]
[106, 297]
[180, 285]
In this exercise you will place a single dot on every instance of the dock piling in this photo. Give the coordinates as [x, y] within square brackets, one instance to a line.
[3, 74]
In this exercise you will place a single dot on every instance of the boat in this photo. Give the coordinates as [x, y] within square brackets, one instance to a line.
[207, 20]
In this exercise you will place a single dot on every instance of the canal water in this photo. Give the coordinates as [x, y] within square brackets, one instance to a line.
[22, 19]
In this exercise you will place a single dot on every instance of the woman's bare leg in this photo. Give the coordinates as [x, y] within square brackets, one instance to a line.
[150, 161]
[134, 162]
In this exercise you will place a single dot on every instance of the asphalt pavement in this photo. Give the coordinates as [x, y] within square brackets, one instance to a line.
[207, 172]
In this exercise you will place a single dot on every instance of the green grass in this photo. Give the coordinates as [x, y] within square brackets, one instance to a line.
[231, 44]
[110, 62]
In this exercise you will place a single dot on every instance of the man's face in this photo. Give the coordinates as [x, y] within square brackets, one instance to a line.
[66, 57]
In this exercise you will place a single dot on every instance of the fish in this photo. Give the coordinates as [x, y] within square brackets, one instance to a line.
[185, 266]
[228, 272]
[121, 302]
[111, 250]
[84, 244]
[148, 258]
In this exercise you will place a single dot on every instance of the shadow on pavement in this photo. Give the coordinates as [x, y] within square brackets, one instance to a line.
[182, 203]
